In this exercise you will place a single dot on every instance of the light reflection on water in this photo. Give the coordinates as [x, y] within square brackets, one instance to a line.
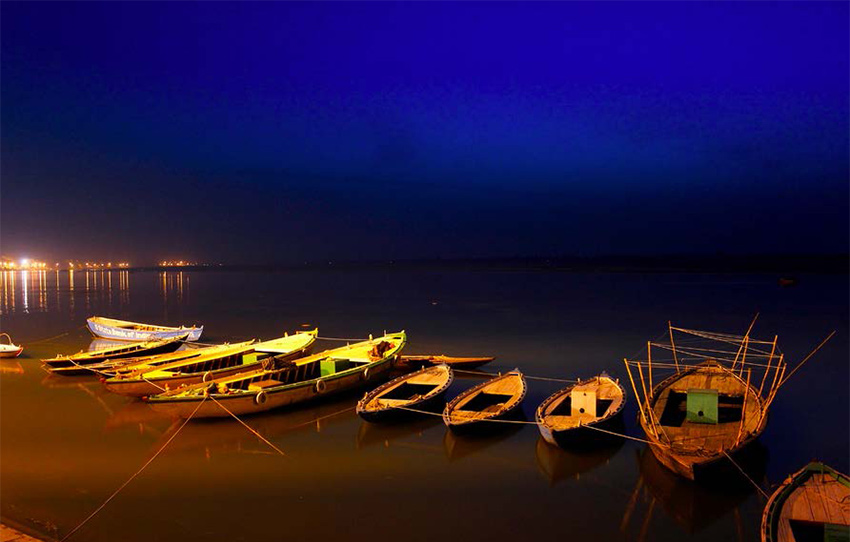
[67, 443]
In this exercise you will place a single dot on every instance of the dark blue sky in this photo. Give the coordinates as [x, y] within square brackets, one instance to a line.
[287, 132]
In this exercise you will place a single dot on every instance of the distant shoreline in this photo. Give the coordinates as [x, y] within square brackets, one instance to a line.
[787, 264]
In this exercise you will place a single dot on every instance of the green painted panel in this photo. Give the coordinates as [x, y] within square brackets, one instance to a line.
[836, 533]
[702, 406]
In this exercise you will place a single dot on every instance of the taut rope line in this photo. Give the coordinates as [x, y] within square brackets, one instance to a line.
[138, 472]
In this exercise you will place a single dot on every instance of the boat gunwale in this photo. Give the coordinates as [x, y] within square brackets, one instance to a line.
[541, 419]
[383, 388]
[775, 503]
[450, 406]
[178, 394]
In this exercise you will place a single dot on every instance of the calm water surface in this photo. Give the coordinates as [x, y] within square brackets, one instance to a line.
[66, 443]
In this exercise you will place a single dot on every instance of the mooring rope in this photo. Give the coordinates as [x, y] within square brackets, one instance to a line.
[764, 494]
[529, 377]
[149, 461]
[341, 339]
[29, 343]
[248, 427]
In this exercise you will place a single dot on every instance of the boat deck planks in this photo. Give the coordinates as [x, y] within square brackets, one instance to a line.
[605, 388]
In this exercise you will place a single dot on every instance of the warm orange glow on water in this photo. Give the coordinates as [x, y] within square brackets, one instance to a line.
[67, 443]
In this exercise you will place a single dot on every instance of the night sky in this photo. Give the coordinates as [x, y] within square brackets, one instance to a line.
[290, 132]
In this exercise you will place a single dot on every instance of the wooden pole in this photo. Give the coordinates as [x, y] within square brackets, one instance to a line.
[745, 337]
[646, 397]
[744, 358]
[775, 387]
[637, 396]
[673, 345]
[744, 408]
[812, 353]
[766, 371]
[649, 361]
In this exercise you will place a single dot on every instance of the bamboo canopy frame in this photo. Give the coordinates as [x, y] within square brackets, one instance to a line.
[744, 364]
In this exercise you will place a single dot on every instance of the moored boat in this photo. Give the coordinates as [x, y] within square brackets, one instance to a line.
[703, 417]
[494, 399]
[145, 379]
[456, 362]
[76, 364]
[575, 414]
[812, 504]
[319, 375]
[419, 390]
[123, 366]
[123, 330]
[8, 349]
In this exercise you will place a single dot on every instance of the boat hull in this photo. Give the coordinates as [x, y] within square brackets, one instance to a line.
[394, 415]
[585, 435]
[68, 362]
[249, 404]
[135, 335]
[11, 352]
[710, 465]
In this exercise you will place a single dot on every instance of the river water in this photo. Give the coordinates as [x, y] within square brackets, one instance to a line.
[66, 444]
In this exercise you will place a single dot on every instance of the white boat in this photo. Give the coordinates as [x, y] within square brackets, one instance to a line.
[9, 349]
[122, 330]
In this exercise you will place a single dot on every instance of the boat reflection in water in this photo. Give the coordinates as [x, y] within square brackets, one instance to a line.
[372, 434]
[693, 506]
[559, 464]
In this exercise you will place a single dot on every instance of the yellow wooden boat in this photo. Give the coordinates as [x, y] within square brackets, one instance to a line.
[75, 364]
[219, 363]
[265, 388]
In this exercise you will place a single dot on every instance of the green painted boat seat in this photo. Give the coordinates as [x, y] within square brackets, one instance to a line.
[702, 406]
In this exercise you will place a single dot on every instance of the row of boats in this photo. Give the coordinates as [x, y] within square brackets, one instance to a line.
[710, 407]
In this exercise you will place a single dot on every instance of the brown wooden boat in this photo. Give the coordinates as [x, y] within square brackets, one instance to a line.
[812, 504]
[458, 363]
[419, 390]
[705, 415]
[567, 416]
[491, 400]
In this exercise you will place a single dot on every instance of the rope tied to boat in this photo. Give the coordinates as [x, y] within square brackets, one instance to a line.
[529, 377]
[763, 492]
[248, 427]
[30, 343]
[138, 472]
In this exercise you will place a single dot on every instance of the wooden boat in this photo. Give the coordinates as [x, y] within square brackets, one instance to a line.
[75, 364]
[125, 366]
[9, 349]
[312, 377]
[122, 330]
[419, 390]
[458, 363]
[812, 504]
[219, 363]
[494, 399]
[566, 417]
[705, 415]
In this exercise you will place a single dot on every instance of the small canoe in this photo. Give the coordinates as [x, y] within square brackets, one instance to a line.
[812, 504]
[75, 364]
[313, 377]
[125, 366]
[210, 365]
[494, 399]
[8, 349]
[419, 390]
[122, 330]
[565, 418]
[458, 363]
